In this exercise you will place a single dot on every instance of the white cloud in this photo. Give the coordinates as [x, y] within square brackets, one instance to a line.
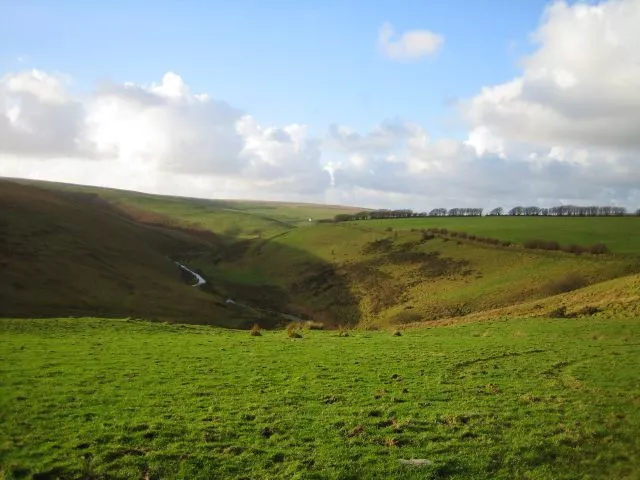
[37, 117]
[580, 88]
[409, 46]
[152, 132]
[165, 125]
[567, 129]
[447, 172]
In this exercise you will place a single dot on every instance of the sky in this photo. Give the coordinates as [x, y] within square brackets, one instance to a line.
[404, 104]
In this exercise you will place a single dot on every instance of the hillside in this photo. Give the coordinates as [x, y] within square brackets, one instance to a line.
[72, 254]
[402, 276]
[619, 234]
[239, 219]
[74, 250]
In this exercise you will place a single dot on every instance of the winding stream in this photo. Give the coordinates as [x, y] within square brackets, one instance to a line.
[199, 279]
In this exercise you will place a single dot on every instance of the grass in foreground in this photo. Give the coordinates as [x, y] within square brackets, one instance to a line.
[94, 398]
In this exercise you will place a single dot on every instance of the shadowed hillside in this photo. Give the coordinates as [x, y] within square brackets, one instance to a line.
[73, 253]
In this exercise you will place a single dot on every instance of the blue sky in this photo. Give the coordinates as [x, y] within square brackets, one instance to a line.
[407, 103]
[310, 62]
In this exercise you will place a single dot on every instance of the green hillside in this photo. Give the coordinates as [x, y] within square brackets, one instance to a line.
[72, 254]
[236, 218]
[398, 277]
[70, 249]
[620, 234]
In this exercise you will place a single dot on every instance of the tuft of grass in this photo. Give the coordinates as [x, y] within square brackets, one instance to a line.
[255, 330]
[313, 325]
[293, 330]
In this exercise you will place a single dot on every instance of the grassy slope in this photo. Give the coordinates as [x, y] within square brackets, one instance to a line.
[272, 257]
[620, 234]
[240, 218]
[539, 399]
[64, 254]
[615, 298]
[392, 287]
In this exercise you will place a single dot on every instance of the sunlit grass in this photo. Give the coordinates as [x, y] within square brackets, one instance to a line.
[504, 399]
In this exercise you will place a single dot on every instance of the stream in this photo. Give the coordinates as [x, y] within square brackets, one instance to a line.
[199, 279]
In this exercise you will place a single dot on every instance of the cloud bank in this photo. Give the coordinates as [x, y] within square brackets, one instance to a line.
[566, 130]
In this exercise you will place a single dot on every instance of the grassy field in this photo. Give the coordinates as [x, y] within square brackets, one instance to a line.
[620, 234]
[536, 399]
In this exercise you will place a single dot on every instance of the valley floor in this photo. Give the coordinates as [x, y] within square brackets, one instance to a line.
[535, 398]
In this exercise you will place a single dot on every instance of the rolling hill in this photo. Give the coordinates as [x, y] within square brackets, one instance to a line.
[75, 250]
[66, 253]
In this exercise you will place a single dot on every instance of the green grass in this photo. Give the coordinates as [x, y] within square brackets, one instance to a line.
[383, 286]
[538, 399]
[620, 234]
[236, 218]
[69, 250]
[60, 256]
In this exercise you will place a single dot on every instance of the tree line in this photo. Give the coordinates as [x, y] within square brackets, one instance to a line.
[559, 211]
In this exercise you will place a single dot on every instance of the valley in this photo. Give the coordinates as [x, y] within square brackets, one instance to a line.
[415, 348]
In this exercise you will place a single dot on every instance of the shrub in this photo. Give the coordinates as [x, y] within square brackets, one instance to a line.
[472, 237]
[427, 236]
[560, 312]
[588, 310]
[505, 243]
[541, 244]
[403, 318]
[573, 248]
[378, 246]
[463, 235]
[293, 330]
[571, 281]
[598, 249]
[255, 330]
